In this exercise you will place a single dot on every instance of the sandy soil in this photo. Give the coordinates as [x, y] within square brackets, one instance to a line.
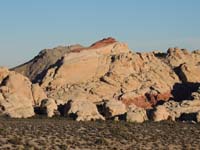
[63, 134]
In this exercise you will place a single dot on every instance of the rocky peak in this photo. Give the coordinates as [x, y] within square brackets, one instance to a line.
[177, 51]
[105, 46]
[103, 42]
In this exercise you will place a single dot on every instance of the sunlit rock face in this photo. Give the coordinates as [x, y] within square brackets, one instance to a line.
[16, 98]
[109, 70]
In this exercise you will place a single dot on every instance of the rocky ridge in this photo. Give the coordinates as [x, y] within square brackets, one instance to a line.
[108, 76]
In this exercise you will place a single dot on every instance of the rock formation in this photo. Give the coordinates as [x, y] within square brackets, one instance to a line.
[113, 108]
[38, 94]
[49, 107]
[109, 72]
[83, 110]
[136, 114]
[16, 98]
[173, 110]
[36, 68]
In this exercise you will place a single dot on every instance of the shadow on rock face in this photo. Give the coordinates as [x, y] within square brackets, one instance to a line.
[39, 111]
[188, 117]
[150, 113]
[42, 74]
[183, 91]
[64, 109]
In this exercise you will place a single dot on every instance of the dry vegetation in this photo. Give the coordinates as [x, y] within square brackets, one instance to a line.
[63, 134]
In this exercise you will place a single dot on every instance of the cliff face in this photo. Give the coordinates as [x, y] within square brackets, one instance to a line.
[109, 70]
[36, 68]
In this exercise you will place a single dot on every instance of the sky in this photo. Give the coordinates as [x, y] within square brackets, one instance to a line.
[28, 26]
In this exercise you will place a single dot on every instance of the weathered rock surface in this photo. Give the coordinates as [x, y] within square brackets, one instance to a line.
[136, 115]
[38, 94]
[176, 57]
[49, 106]
[173, 110]
[16, 96]
[3, 73]
[113, 108]
[196, 95]
[190, 73]
[108, 70]
[83, 110]
[161, 113]
[36, 68]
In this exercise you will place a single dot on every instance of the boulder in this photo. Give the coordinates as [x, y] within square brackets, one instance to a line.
[16, 106]
[49, 106]
[190, 106]
[137, 115]
[113, 108]
[173, 110]
[83, 110]
[161, 113]
[17, 84]
[16, 96]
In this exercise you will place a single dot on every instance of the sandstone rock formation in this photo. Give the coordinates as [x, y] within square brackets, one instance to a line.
[16, 98]
[109, 71]
[176, 57]
[161, 113]
[136, 115]
[83, 110]
[36, 68]
[38, 94]
[113, 108]
[49, 106]
[190, 73]
[3, 73]
[173, 110]
[196, 95]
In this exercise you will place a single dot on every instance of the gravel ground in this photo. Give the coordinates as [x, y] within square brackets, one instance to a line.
[63, 134]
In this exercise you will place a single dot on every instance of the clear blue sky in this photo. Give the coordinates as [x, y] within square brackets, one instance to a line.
[27, 26]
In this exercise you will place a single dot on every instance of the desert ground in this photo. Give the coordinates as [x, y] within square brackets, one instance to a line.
[65, 134]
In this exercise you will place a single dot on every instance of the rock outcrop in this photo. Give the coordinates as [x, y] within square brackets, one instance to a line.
[137, 115]
[173, 110]
[83, 110]
[107, 71]
[38, 94]
[190, 73]
[176, 56]
[36, 68]
[113, 108]
[3, 73]
[49, 107]
[161, 113]
[16, 98]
